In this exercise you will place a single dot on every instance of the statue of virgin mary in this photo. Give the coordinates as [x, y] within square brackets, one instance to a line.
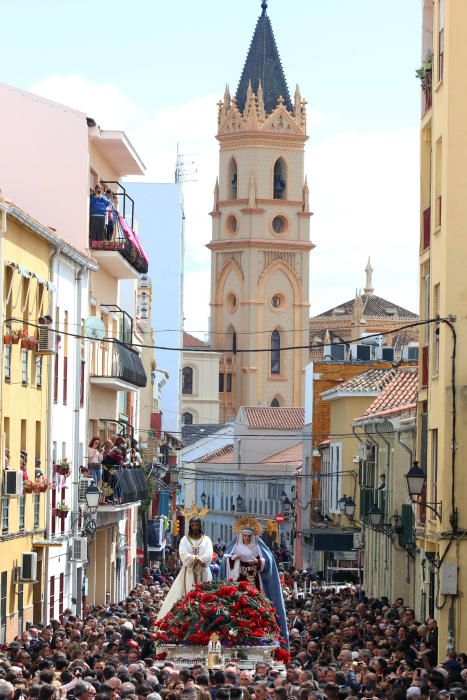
[248, 558]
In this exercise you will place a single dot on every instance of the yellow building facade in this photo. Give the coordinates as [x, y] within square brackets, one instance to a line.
[23, 409]
[442, 419]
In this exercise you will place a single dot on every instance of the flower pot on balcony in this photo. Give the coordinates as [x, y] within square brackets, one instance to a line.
[28, 487]
[15, 339]
[24, 343]
[64, 471]
[59, 513]
[32, 343]
[7, 339]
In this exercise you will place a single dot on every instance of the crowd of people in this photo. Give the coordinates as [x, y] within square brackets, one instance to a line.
[343, 646]
[104, 458]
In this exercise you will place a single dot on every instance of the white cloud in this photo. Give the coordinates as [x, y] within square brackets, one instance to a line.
[363, 190]
[104, 102]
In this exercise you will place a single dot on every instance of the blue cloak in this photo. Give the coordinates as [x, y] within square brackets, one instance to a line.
[269, 579]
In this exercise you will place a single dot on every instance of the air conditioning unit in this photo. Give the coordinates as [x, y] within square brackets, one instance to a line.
[28, 567]
[412, 352]
[337, 352]
[82, 488]
[46, 341]
[363, 353]
[387, 354]
[79, 549]
[12, 483]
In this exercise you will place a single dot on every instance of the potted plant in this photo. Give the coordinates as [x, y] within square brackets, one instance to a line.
[7, 338]
[28, 487]
[63, 467]
[41, 485]
[61, 510]
[425, 75]
[32, 342]
[16, 335]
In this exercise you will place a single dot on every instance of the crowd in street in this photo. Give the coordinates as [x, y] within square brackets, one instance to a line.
[343, 646]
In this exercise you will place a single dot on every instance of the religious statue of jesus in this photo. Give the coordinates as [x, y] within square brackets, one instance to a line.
[195, 552]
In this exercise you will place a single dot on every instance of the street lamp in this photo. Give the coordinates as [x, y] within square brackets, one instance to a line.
[375, 515]
[350, 508]
[342, 503]
[92, 498]
[175, 476]
[416, 480]
[240, 504]
[203, 499]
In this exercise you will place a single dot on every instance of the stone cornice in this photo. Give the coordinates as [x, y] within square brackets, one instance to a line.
[261, 135]
[283, 244]
[281, 203]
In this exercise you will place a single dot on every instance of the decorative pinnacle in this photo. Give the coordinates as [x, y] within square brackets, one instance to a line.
[264, 6]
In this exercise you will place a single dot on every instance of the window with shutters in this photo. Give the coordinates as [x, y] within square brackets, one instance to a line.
[24, 366]
[7, 363]
[435, 328]
[440, 40]
[21, 512]
[438, 166]
[434, 465]
[65, 380]
[229, 382]
[56, 378]
[5, 515]
[37, 509]
[221, 382]
[39, 372]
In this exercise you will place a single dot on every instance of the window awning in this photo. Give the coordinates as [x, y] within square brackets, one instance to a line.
[130, 485]
[130, 368]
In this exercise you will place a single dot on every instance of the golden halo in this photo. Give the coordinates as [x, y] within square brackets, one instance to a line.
[194, 512]
[247, 522]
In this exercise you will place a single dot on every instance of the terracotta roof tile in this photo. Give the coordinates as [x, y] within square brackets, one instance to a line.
[373, 307]
[268, 418]
[291, 455]
[223, 455]
[371, 381]
[189, 341]
[400, 394]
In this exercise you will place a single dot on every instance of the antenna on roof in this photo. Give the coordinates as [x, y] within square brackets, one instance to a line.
[185, 171]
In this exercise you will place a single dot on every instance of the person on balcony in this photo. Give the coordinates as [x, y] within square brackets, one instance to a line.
[110, 215]
[95, 454]
[98, 212]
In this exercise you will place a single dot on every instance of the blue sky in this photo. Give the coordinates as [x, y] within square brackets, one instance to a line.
[157, 68]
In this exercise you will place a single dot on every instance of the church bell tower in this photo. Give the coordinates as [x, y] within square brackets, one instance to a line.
[260, 243]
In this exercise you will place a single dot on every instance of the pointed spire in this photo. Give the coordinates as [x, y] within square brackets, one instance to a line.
[306, 196]
[369, 279]
[216, 195]
[226, 99]
[261, 110]
[263, 63]
[297, 102]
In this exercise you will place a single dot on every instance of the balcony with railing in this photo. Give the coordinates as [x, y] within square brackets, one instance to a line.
[127, 485]
[112, 239]
[426, 228]
[117, 367]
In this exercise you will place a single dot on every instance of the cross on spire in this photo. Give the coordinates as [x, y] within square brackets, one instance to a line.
[264, 6]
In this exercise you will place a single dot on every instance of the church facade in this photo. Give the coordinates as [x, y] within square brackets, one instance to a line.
[260, 243]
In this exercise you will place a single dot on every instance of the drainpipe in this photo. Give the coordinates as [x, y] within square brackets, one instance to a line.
[54, 262]
[406, 447]
[76, 431]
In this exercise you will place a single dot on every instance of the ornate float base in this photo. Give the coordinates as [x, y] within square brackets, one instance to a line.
[245, 657]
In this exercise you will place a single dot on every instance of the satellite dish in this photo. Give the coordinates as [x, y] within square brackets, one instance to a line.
[94, 329]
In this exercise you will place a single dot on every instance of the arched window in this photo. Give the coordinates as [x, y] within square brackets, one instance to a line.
[187, 380]
[280, 179]
[187, 418]
[233, 179]
[275, 352]
[274, 403]
[234, 343]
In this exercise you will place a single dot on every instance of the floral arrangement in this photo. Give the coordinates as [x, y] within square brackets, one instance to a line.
[63, 467]
[41, 485]
[61, 510]
[239, 613]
